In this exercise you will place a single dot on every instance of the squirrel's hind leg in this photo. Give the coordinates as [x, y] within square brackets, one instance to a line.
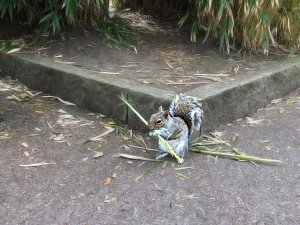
[162, 155]
[179, 147]
[163, 151]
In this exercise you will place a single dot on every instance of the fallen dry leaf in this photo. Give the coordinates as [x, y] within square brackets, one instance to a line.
[235, 69]
[49, 125]
[4, 135]
[125, 147]
[184, 168]
[57, 56]
[37, 129]
[107, 181]
[33, 95]
[147, 82]
[264, 141]
[218, 133]
[127, 156]
[275, 101]
[65, 62]
[37, 164]
[13, 97]
[59, 99]
[24, 95]
[100, 116]
[67, 116]
[61, 111]
[14, 50]
[97, 138]
[26, 154]
[98, 154]
[107, 200]
[25, 145]
[40, 112]
[233, 139]
[57, 138]
[253, 122]
[107, 72]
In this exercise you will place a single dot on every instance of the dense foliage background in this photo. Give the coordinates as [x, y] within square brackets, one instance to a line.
[254, 25]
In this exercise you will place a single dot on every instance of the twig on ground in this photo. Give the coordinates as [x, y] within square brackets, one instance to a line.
[127, 156]
[37, 164]
[186, 83]
[144, 148]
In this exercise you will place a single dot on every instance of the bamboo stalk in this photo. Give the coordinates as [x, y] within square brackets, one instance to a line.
[170, 149]
[239, 157]
[133, 109]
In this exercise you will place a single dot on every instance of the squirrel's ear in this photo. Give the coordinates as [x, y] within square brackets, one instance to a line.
[160, 109]
[166, 113]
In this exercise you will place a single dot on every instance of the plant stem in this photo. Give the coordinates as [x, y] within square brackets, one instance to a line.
[238, 157]
[170, 149]
[148, 170]
[136, 112]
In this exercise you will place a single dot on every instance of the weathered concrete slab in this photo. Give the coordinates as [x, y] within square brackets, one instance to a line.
[8, 63]
[97, 92]
[228, 100]
[223, 101]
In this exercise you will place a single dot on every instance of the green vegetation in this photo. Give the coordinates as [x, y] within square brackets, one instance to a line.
[6, 46]
[11, 46]
[52, 14]
[253, 25]
[116, 34]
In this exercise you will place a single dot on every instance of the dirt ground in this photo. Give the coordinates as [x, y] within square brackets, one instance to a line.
[165, 57]
[79, 189]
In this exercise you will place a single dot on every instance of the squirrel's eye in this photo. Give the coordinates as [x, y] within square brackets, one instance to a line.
[158, 121]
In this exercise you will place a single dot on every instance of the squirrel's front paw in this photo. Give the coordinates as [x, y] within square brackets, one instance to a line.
[152, 133]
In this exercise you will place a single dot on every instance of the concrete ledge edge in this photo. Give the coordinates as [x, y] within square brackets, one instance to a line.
[223, 102]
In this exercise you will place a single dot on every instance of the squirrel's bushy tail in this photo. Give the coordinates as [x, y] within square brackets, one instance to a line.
[189, 109]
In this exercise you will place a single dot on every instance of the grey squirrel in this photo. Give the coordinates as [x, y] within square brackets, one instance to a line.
[176, 124]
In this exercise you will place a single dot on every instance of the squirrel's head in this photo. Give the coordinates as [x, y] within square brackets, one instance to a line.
[158, 119]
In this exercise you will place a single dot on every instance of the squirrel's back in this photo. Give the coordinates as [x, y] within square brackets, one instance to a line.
[189, 109]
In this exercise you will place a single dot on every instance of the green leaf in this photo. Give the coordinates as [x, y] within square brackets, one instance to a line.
[290, 101]
[183, 19]
[47, 17]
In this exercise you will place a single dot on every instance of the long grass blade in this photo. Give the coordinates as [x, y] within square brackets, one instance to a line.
[153, 166]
